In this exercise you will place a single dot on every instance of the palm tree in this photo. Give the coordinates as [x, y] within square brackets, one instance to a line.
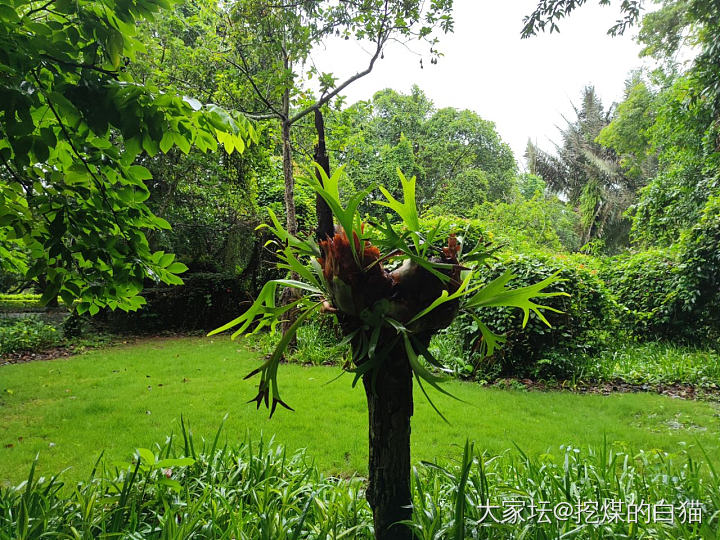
[587, 174]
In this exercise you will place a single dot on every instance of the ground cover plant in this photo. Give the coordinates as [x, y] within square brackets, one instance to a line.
[192, 488]
[26, 333]
[122, 397]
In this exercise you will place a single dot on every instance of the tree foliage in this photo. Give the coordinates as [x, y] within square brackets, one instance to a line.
[73, 123]
[458, 158]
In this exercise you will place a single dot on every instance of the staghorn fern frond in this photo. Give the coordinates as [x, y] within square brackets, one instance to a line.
[496, 294]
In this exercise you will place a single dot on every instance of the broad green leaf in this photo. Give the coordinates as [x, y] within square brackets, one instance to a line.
[496, 294]
[407, 210]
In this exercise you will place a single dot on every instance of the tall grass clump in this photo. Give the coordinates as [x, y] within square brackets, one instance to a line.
[185, 489]
[658, 362]
[597, 494]
[181, 490]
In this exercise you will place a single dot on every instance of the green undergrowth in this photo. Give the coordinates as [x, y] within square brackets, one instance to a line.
[657, 363]
[184, 488]
[629, 361]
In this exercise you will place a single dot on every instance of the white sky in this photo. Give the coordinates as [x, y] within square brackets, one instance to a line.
[524, 86]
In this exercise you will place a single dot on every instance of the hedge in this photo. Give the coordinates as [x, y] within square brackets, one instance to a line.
[204, 302]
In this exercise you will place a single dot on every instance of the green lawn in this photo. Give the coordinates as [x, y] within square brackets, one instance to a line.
[131, 396]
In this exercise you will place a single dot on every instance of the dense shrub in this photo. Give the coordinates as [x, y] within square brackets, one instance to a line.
[26, 334]
[586, 318]
[699, 272]
[673, 293]
[645, 285]
[204, 302]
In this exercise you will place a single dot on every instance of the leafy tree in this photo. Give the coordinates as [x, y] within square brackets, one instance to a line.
[209, 199]
[396, 115]
[549, 12]
[670, 137]
[665, 30]
[73, 122]
[529, 185]
[457, 142]
[391, 290]
[453, 150]
[628, 132]
[269, 42]
[462, 195]
[688, 167]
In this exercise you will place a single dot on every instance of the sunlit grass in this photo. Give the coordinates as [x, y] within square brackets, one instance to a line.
[129, 396]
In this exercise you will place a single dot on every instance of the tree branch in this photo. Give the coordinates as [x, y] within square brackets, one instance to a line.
[382, 38]
[245, 70]
[96, 180]
[41, 8]
[81, 66]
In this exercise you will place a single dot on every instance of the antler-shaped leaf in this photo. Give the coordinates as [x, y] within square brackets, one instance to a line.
[489, 340]
[301, 246]
[289, 261]
[407, 210]
[497, 294]
[268, 386]
[264, 311]
[348, 217]
[422, 373]
[445, 296]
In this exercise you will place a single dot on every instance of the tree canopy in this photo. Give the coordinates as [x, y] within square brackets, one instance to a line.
[73, 123]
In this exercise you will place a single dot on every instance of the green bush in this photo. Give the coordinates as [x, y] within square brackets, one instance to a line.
[26, 334]
[645, 284]
[587, 318]
[699, 272]
[673, 294]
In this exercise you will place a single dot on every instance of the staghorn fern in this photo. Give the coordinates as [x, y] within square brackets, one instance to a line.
[345, 275]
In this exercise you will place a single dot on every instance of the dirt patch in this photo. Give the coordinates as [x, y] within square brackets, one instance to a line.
[24, 357]
[674, 390]
[66, 351]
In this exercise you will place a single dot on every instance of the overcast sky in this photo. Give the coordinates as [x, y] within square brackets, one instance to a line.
[524, 86]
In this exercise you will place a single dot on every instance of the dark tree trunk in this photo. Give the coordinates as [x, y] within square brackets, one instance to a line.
[325, 226]
[390, 406]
